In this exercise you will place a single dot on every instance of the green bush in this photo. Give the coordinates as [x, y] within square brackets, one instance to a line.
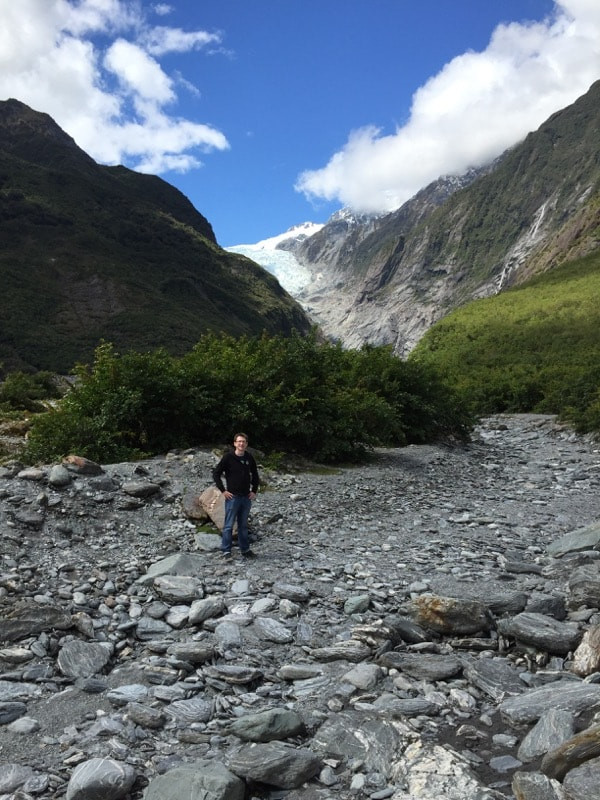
[295, 394]
[21, 391]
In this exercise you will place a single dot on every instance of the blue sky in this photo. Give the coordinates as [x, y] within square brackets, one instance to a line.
[269, 113]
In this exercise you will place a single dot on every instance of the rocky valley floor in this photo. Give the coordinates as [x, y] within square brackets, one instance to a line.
[421, 627]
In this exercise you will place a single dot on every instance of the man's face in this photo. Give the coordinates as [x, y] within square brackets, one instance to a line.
[240, 444]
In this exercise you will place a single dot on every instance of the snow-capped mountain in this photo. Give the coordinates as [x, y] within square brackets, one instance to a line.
[280, 262]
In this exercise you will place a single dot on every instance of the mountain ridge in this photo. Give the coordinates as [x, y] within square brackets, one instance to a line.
[388, 280]
[91, 252]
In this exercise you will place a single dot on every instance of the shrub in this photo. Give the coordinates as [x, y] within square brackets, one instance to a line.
[293, 394]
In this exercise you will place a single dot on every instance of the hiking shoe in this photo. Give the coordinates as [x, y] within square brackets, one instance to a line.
[227, 555]
[248, 554]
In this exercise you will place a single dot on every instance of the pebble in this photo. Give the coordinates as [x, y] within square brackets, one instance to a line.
[421, 626]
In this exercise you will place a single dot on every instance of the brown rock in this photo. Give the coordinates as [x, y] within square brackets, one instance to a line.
[581, 747]
[451, 616]
[586, 658]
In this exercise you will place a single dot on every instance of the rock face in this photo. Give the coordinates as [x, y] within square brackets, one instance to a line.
[388, 280]
[410, 629]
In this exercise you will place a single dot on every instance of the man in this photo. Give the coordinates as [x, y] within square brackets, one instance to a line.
[241, 477]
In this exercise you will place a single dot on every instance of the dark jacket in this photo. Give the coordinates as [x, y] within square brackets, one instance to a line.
[241, 474]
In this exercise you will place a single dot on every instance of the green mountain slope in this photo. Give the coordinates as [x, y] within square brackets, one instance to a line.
[531, 348]
[91, 252]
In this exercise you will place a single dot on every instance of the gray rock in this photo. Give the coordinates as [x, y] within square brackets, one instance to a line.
[179, 588]
[553, 605]
[130, 693]
[235, 674]
[78, 659]
[204, 609]
[272, 630]
[363, 676]
[584, 586]
[201, 780]
[552, 729]
[350, 650]
[275, 764]
[583, 782]
[424, 666]
[265, 726]
[13, 777]
[195, 709]
[194, 652]
[535, 786]
[298, 594]
[365, 737]
[140, 489]
[570, 754]
[542, 632]
[11, 710]
[59, 476]
[146, 716]
[101, 778]
[494, 676]
[586, 538]
[358, 604]
[190, 564]
[564, 695]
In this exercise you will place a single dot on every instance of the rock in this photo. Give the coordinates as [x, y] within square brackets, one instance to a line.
[101, 777]
[451, 616]
[582, 782]
[187, 649]
[431, 772]
[204, 609]
[83, 659]
[542, 632]
[552, 729]
[14, 777]
[584, 586]
[29, 619]
[586, 658]
[193, 508]
[350, 650]
[586, 538]
[82, 466]
[59, 476]
[275, 764]
[140, 489]
[179, 588]
[534, 786]
[197, 781]
[213, 503]
[424, 667]
[265, 726]
[188, 564]
[494, 676]
[570, 754]
[564, 695]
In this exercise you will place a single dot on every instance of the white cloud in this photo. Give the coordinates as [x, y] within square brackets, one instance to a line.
[471, 111]
[161, 40]
[93, 66]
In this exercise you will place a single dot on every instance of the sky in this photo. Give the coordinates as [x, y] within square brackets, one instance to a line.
[270, 113]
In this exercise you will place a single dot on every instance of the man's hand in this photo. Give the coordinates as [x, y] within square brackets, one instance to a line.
[227, 495]
[252, 495]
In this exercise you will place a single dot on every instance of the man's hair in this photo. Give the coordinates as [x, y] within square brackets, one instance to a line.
[243, 435]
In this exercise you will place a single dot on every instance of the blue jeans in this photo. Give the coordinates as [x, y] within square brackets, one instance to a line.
[236, 509]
